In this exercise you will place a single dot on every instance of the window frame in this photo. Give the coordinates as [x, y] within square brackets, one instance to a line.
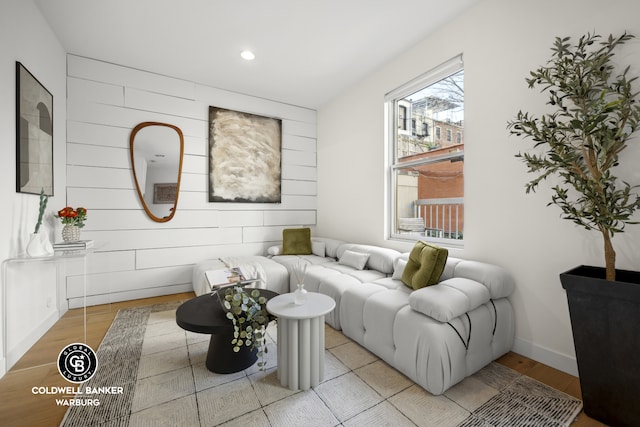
[440, 72]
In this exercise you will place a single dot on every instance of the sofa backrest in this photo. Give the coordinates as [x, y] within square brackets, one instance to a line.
[381, 259]
[330, 245]
[497, 279]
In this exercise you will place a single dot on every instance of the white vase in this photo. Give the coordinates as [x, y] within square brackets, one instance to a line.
[300, 295]
[70, 233]
[39, 245]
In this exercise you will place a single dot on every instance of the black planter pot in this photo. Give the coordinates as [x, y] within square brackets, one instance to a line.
[605, 319]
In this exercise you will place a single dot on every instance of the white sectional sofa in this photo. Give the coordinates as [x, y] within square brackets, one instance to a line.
[437, 335]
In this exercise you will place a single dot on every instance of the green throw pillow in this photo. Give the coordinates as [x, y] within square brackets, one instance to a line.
[425, 265]
[296, 241]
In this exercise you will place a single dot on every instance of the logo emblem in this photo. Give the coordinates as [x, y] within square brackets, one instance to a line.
[77, 363]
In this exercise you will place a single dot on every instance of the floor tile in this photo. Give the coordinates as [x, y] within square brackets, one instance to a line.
[268, 388]
[332, 367]
[270, 359]
[471, 393]
[333, 337]
[163, 361]
[179, 412]
[353, 355]
[255, 418]
[205, 379]
[193, 337]
[162, 328]
[381, 415]
[198, 352]
[383, 378]
[154, 344]
[302, 409]
[162, 388]
[162, 316]
[225, 402]
[415, 402]
[347, 396]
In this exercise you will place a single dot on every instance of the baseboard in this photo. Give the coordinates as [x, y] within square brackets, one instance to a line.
[3, 367]
[556, 360]
[129, 295]
[14, 354]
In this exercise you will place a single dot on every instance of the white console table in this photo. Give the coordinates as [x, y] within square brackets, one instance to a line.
[300, 338]
[58, 258]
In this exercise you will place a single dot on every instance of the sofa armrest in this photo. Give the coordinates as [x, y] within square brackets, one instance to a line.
[498, 280]
[449, 299]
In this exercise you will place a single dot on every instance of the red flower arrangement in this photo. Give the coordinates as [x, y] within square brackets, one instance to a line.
[70, 216]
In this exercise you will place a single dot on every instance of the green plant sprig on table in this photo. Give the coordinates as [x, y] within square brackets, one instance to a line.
[42, 207]
[596, 113]
[248, 313]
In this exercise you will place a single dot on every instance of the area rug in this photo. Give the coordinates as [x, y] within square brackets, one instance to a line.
[159, 372]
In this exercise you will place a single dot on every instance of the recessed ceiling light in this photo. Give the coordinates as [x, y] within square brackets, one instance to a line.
[248, 55]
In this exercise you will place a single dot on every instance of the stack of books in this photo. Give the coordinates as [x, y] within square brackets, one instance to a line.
[73, 246]
[225, 277]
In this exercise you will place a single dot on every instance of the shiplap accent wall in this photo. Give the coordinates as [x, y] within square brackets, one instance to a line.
[136, 257]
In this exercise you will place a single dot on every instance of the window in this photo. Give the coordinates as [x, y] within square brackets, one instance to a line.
[426, 174]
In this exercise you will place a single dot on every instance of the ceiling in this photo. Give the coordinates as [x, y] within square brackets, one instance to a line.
[307, 51]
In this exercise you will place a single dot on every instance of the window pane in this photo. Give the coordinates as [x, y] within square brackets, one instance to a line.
[430, 199]
[429, 166]
[439, 106]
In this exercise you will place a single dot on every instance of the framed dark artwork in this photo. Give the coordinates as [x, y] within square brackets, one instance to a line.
[34, 134]
[165, 193]
[244, 157]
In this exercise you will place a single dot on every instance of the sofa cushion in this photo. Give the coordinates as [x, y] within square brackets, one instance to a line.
[449, 299]
[398, 268]
[330, 245]
[274, 250]
[380, 258]
[318, 248]
[363, 276]
[425, 265]
[296, 241]
[353, 259]
[498, 280]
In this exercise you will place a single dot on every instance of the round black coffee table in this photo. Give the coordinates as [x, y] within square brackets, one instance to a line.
[205, 315]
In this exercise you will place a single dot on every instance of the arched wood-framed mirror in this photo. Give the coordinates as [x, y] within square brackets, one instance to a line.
[156, 151]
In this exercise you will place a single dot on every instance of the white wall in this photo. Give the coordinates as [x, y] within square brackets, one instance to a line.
[138, 257]
[502, 41]
[30, 290]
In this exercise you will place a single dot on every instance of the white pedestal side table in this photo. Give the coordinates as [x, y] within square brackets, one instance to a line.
[300, 338]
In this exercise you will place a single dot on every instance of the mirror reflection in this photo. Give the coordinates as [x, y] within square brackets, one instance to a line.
[156, 156]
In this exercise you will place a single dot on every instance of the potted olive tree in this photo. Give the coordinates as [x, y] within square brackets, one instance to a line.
[594, 112]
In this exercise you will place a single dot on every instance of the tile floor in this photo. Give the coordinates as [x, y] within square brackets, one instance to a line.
[174, 387]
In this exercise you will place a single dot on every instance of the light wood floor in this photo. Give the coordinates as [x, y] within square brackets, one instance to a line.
[37, 368]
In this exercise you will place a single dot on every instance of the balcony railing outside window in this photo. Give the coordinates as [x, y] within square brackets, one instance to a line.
[437, 218]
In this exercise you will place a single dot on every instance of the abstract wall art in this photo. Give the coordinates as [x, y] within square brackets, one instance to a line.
[244, 157]
[34, 134]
